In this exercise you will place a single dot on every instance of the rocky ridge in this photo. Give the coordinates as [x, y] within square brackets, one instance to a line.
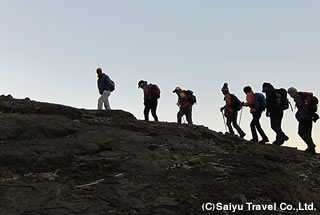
[56, 159]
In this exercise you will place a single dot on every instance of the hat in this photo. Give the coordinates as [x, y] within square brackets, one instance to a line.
[177, 89]
[225, 88]
[99, 69]
[292, 91]
[141, 82]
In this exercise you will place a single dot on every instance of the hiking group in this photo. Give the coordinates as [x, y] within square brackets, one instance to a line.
[275, 102]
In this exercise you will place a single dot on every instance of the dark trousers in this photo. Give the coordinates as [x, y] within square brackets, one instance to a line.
[275, 120]
[255, 125]
[232, 119]
[305, 130]
[151, 104]
[186, 111]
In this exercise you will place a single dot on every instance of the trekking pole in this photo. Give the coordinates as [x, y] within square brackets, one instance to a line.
[290, 106]
[240, 116]
[224, 120]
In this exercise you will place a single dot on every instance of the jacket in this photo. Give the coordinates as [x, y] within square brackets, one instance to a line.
[271, 98]
[251, 101]
[183, 100]
[103, 83]
[147, 92]
[227, 98]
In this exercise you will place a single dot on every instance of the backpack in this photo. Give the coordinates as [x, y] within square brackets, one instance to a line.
[112, 85]
[192, 99]
[311, 101]
[236, 104]
[281, 99]
[260, 102]
[155, 91]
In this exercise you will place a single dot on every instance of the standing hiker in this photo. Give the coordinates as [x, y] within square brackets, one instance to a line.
[231, 108]
[105, 87]
[257, 104]
[307, 107]
[277, 102]
[185, 101]
[151, 94]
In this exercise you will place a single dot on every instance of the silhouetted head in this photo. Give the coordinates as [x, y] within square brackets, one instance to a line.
[177, 90]
[266, 86]
[225, 88]
[247, 89]
[292, 92]
[99, 71]
[142, 83]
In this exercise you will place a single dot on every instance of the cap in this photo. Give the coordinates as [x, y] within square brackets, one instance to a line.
[177, 89]
[292, 90]
[225, 88]
[99, 69]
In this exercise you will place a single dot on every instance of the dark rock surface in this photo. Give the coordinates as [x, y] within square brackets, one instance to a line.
[62, 160]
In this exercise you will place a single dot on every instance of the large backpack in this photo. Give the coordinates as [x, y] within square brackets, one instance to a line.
[311, 101]
[260, 102]
[281, 99]
[192, 99]
[155, 91]
[236, 104]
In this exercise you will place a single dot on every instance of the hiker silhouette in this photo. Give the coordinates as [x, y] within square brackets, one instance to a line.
[257, 103]
[305, 116]
[151, 94]
[185, 105]
[277, 102]
[231, 108]
[105, 87]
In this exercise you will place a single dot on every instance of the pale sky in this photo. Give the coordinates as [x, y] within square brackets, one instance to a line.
[51, 48]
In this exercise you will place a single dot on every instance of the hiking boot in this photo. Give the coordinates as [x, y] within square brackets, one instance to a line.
[276, 142]
[254, 140]
[264, 141]
[242, 135]
[311, 150]
[282, 140]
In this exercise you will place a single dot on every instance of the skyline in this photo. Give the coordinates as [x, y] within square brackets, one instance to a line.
[50, 51]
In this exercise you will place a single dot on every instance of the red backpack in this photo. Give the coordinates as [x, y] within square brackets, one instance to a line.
[311, 101]
[155, 91]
